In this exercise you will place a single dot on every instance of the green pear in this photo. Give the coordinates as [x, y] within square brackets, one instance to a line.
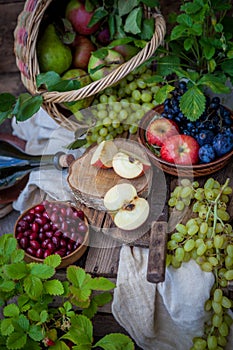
[52, 54]
[84, 79]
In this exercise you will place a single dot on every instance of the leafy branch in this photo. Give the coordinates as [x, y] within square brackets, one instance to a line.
[29, 318]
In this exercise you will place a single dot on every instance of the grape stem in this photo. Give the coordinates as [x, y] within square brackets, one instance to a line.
[216, 205]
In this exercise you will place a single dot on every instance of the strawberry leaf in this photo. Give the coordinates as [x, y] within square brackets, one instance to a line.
[192, 103]
[115, 341]
[11, 310]
[16, 340]
[53, 287]
[100, 283]
[33, 287]
[53, 260]
[42, 271]
[6, 326]
[17, 271]
[80, 332]
[35, 333]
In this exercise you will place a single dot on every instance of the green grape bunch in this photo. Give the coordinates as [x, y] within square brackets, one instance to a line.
[206, 236]
[119, 108]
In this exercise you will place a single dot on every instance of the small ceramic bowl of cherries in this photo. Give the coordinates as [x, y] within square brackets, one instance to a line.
[52, 228]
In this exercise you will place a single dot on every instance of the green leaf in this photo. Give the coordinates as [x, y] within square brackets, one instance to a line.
[192, 103]
[33, 287]
[192, 7]
[77, 144]
[148, 28]
[43, 316]
[17, 270]
[178, 32]
[217, 85]
[26, 106]
[10, 245]
[167, 65]
[218, 28]
[53, 260]
[5, 115]
[23, 323]
[208, 51]
[163, 93]
[133, 21]
[151, 3]
[227, 67]
[80, 295]
[61, 345]
[99, 14]
[7, 286]
[35, 333]
[53, 287]
[115, 341]
[125, 7]
[185, 20]
[11, 310]
[34, 315]
[91, 310]
[76, 275]
[100, 283]
[6, 101]
[188, 43]
[80, 332]
[17, 255]
[16, 340]
[6, 326]
[22, 300]
[47, 79]
[42, 271]
[211, 65]
[103, 298]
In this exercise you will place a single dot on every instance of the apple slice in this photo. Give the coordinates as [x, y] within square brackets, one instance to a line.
[128, 165]
[119, 195]
[103, 155]
[128, 210]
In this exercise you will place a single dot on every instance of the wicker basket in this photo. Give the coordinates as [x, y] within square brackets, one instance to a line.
[26, 33]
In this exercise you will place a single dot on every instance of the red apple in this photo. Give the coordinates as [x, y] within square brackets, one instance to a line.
[83, 47]
[160, 130]
[180, 149]
[126, 50]
[110, 62]
[79, 17]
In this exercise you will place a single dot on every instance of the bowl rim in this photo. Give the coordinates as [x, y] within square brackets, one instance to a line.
[142, 139]
[66, 257]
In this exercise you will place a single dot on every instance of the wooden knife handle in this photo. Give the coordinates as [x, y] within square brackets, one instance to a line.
[157, 252]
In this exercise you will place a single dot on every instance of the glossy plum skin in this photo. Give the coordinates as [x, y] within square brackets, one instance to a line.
[51, 228]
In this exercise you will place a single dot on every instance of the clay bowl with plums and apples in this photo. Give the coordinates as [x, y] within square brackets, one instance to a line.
[189, 170]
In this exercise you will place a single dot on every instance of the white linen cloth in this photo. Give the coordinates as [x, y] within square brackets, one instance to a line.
[165, 316]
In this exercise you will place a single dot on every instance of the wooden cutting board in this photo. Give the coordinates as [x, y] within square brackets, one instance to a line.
[89, 185]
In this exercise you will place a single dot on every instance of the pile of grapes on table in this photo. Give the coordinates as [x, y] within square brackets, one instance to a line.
[213, 130]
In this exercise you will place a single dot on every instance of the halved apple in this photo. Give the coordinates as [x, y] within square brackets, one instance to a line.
[103, 154]
[128, 210]
[129, 165]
